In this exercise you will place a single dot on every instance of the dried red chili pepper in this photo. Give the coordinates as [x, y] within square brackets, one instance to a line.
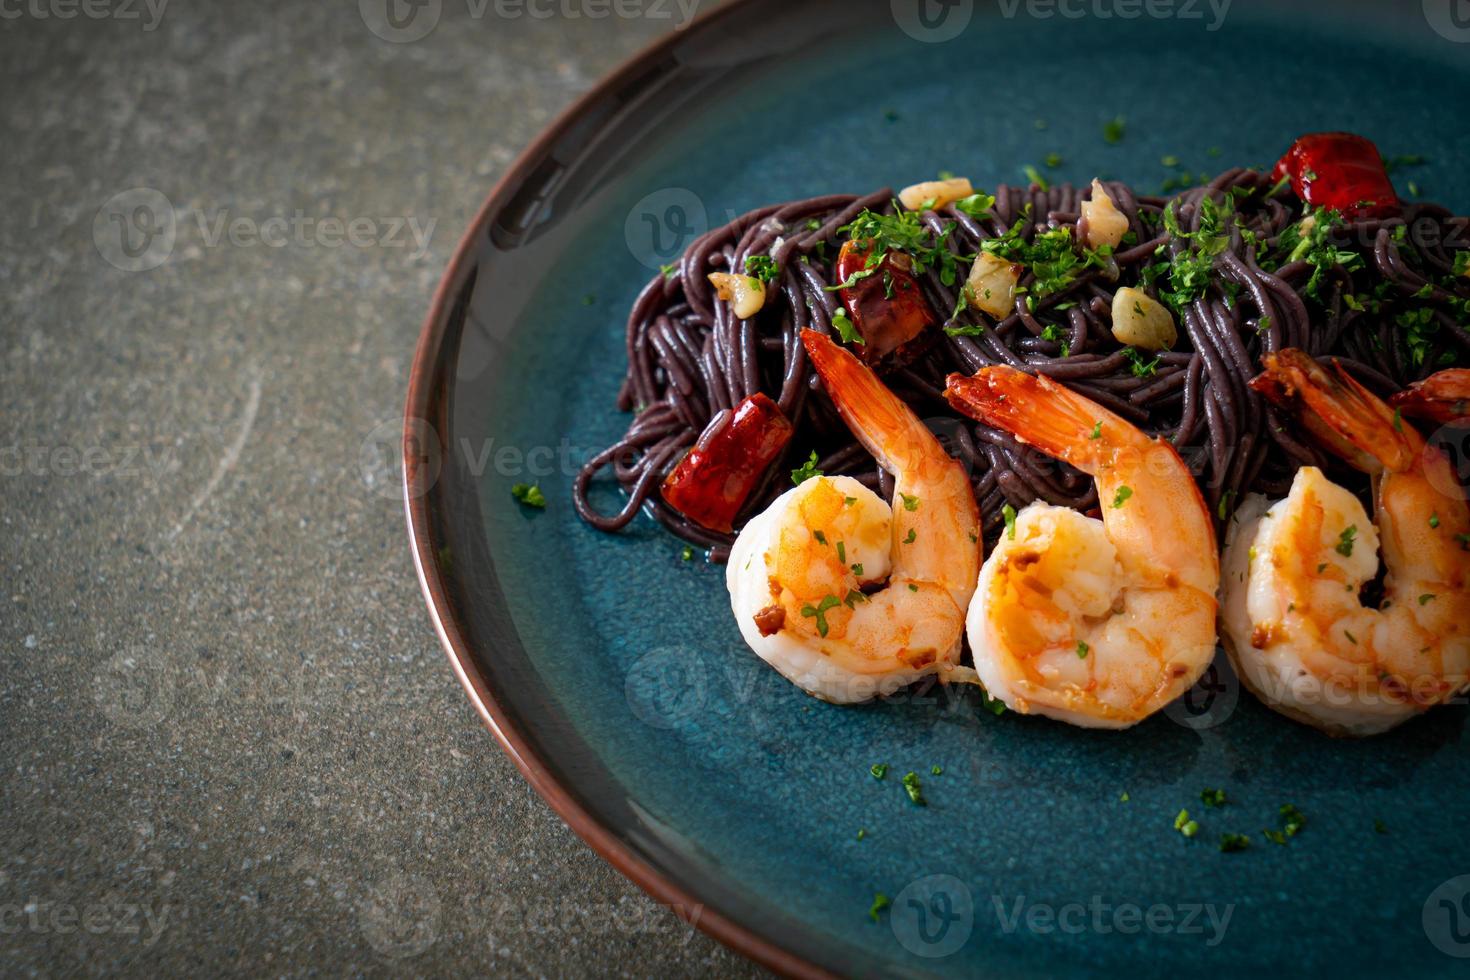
[715, 478]
[887, 307]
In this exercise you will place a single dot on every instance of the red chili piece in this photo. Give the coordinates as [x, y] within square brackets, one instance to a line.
[713, 480]
[888, 307]
[1341, 172]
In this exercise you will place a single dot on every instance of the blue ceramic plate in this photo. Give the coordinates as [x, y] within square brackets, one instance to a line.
[611, 668]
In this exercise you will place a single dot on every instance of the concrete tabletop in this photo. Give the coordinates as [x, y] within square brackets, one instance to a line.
[231, 742]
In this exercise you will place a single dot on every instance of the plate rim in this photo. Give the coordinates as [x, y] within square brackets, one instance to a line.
[417, 414]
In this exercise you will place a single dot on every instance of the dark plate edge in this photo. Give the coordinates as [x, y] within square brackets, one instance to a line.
[418, 411]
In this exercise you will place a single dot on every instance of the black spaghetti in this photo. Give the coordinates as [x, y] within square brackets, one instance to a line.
[1243, 265]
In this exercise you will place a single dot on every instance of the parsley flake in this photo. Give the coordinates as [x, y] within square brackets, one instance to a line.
[819, 612]
[806, 470]
[761, 267]
[529, 494]
[845, 329]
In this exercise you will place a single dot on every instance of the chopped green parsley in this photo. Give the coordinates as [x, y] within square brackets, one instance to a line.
[912, 787]
[806, 470]
[845, 329]
[761, 267]
[529, 494]
[819, 612]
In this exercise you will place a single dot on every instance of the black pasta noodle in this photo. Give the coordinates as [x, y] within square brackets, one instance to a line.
[690, 359]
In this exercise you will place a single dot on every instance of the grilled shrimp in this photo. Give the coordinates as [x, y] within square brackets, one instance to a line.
[845, 595]
[1095, 623]
[1442, 397]
[1294, 625]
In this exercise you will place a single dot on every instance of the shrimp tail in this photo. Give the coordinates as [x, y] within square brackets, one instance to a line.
[1346, 418]
[1039, 412]
[880, 420]
[1443, 397]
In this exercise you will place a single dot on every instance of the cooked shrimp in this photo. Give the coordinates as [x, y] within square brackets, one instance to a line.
[846, 596]
[1442, 397]
[1096, 623]
[1294, 625]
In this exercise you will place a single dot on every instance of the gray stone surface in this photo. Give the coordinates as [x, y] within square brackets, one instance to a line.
[231, 743]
